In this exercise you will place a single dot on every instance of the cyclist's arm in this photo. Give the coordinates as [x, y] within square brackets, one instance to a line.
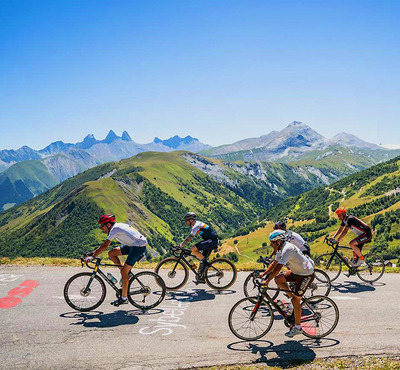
[186, 241]
[275, 271]
[102, 248]
[343, 234]
[339, 230]
[269, 269]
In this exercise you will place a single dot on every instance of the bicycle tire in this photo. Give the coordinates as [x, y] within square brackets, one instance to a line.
[333, 271]
[372, 261]
[79, 295]
[219, 274]
[239, 318]
[250, 291]
[152, 295]
[322, 282]
[168, 273]
[314, 310]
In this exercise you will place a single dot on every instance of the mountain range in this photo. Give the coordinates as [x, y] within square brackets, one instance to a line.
[28, 173]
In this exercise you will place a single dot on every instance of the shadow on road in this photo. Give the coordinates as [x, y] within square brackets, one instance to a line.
[286, 355]
[196, 295]
[354, 287]
[98, 319]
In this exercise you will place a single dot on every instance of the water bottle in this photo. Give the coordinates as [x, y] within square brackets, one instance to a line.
[112, 278]
[346, 259]
[289, 308]
[281, 305]
[191, 261]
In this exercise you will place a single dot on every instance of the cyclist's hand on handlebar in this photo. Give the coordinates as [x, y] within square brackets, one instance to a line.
[89, 257]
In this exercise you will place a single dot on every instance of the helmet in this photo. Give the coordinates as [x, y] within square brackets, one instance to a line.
[190, 216]
[277, 235]
[280, 225]
[340, 211]
[105, 219]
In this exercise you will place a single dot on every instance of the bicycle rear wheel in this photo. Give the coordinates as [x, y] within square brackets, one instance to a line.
[372, 269]
[332, 266]
[174, 273]
[319, 317]
[221, 274]
[250, 321]
[82, 292]
[146, 290]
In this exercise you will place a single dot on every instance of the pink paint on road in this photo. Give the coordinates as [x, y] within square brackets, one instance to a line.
[14, 295]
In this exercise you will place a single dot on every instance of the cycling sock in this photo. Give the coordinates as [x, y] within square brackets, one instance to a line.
[124, 298]
[297, 326]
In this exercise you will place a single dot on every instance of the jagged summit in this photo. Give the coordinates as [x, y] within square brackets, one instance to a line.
[126, 137]
[111, 136]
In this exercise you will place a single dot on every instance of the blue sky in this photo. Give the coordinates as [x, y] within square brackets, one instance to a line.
[219, 70]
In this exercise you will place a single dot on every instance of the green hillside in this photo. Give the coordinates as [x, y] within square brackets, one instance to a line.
[372, 194]
[24, 180]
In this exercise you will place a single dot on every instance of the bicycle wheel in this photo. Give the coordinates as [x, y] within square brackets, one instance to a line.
[250, 289]
[319, 317]
[82, 296]
[333, 269]
[321, 285]
[221, 274]
[174, 273]
[372, 269]
[146, 290]
[250, 321]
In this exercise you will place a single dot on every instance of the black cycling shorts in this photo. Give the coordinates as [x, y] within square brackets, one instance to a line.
[134, 253]
[207, 244]
[363, 239]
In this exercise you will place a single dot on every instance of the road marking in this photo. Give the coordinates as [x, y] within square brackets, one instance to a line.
[344, 298]
[8, 278]
[14, 296]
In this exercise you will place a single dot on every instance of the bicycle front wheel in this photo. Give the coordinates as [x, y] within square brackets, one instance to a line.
[319, 317]
[321, 285]
[146, 290]
[329, 263]
[251, 318]
[174, 273]
[84, 292]
[250, 289]
[221, 274]
[372, 269]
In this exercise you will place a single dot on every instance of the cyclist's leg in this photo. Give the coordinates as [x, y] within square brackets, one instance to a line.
[203, 247]
[114, 253]
[282, 281]
[135, 253]
[195, 251]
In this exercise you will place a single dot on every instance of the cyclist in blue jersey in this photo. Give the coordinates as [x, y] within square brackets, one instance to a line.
[201, 250]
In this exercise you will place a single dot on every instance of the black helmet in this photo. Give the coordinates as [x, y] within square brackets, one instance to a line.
[280, 225]
[190, 216]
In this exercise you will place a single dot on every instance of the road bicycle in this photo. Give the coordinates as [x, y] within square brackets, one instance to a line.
[220, 274]
[86, 291]
[252, 317]
[320, 286]
[371, 270]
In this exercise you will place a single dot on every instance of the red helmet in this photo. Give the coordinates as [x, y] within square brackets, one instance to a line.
[340, 211]
[105, 219]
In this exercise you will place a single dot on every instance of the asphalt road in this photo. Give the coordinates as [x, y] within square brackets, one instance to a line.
[189, 329]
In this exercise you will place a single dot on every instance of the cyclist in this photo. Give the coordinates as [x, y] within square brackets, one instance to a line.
[301, 273]
[360, 228]
[201, 250]
[294, 238]
[134, 245]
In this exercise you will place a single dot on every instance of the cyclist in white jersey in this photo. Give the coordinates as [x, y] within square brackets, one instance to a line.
[294, 238]
[301, 273]
[134, 245]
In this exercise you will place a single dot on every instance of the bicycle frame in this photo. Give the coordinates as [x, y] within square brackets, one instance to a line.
[182, 257]
[96, 270]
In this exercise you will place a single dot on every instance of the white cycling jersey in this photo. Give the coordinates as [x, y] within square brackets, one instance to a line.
[295, 260]
[127, 235]
[296, 239]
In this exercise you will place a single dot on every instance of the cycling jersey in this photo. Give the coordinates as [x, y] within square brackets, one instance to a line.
[127, 235]
[356, 225]
[294, 259]
[204, 230]
[297, 240]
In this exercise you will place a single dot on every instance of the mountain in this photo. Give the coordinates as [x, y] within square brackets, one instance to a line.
[350, 141]
[372, 194]
[9, 157]
[187, 143]
[152, 191]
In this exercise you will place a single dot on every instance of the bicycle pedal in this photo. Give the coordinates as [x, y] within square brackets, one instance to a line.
[197, 282]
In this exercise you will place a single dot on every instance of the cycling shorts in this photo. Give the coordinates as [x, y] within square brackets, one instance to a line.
[134, 254]
[363, 239]
[301, 282]
[207, 244]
